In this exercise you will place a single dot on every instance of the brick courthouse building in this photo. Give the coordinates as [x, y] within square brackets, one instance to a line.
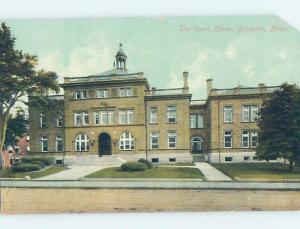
[116, 115]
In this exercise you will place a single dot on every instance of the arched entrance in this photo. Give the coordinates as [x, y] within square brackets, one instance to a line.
[197, 144]
[104, 144]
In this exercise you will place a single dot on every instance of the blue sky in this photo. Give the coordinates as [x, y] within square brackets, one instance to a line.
[164, 47]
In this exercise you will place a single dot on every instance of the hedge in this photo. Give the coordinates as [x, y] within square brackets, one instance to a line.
[146, 162]
[26, 167]
[45, 160]
[131, 166]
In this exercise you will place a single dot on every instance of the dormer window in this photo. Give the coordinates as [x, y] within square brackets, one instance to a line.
[125, 92]
[80, 94]
[102, 93]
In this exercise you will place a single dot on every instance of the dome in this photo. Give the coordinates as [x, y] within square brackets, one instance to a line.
[120, 52]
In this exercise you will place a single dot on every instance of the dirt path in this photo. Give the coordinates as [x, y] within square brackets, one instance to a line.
[20, 200]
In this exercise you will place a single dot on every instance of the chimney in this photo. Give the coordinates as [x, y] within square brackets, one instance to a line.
[209, 85]
[262, 88]
[185, 82]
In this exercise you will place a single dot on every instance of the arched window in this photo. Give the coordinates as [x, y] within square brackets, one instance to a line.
[126, 141]
[197, 144]
[82, 143]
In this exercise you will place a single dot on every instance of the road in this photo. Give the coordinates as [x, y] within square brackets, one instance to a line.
[41, 200]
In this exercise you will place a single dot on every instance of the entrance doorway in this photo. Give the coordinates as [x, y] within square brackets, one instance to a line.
[104, 144]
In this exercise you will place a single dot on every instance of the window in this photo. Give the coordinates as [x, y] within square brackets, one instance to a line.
[122, 116]
[77, 119]
[254, 158]
[17, 149]
[59, 144]
[197, 144]
[228, 113]
[80, 94]
[247, 158]
[96, 118]
[104, 117]
[111, 117]
[196, 121]
[153, 114]
[171, 114]
[103, 93]
[85, 116]
[126, 116]
[172, 140]
[253, 113]
[249, 113]
[125, 92]
[154, 141]
[59, 121]
[44, 143]
[254, 139]
[245, 139]
[126, 141]
[43, 121]
[249, 139]
[130, 116]
[81, 143]
[228, 139]
[155, 160]
[172, 159]
[227, 159]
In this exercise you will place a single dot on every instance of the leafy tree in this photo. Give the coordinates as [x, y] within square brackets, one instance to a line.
[18, 78]
[279, 123]
[16, 127]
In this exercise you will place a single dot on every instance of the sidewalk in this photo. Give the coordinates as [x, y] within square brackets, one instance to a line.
[210, 173]
[127, 184]
[73, 173]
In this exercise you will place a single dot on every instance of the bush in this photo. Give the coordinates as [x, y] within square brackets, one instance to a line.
[131, 166]
[26, 167]
[146, 162]
[45, 160]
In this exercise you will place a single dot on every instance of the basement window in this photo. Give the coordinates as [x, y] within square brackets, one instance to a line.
[155, 160]
[228, 159]
[59, 162]
[246, 158]
[173, 159]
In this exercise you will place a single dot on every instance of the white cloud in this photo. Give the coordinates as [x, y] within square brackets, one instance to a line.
[86, 60]
[230, 52]
[282, 55]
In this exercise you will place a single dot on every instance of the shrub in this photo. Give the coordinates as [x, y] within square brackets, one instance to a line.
[45, 160]
[146, 162]
[131, 166]
[39, 163]
[26, 167]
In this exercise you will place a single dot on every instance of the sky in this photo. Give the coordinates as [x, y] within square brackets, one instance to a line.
[232, 50]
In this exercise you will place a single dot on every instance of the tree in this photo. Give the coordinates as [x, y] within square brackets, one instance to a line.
[279, 123]
[16, 128]
[19, 78]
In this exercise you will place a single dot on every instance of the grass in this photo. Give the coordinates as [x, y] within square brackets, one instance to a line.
[8, 173]
[158, 172]
[180, 164]
[263, 171]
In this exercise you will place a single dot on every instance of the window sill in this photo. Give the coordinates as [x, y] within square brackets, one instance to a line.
[228, 122]
[171, 122]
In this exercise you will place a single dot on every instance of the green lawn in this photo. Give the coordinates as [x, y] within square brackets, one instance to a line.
[8, 173]
[158, 172]
[180, 164]
[268, 171]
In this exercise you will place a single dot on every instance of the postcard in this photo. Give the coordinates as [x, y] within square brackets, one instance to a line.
[149, 114]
